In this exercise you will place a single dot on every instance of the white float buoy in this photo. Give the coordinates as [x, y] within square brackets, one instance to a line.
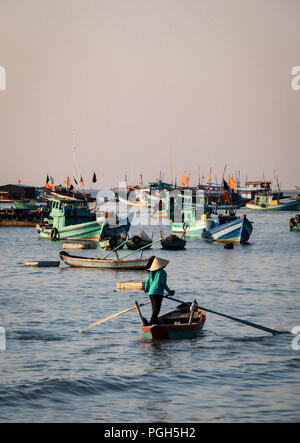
[80, 246]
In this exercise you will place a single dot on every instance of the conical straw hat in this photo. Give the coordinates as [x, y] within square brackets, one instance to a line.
[158, 263]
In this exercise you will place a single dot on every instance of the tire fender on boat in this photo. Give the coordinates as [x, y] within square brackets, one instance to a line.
[136, 239]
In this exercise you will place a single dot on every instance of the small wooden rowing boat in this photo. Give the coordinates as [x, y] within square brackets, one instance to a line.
[95, 262]
[173, 242]
[182, 323]
[111, 243]
[139, 241]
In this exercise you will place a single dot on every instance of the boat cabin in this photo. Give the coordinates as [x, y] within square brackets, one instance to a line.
[66, 212]
[265, 200]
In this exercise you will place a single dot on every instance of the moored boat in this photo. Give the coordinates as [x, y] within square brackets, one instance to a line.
[26, 205]
[273, 202]
[139, 241]
[182, 323]
[173, 242]
[114, 242]
[221, 229]
[69, 218]
[20, 217]
[95, 262]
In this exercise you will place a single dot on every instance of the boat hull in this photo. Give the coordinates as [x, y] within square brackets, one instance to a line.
[175, 326]
[85, 231]
[293, 205]
[173, 243]
[91, 262]
[172, 332]
[25, 205]
[135, 246]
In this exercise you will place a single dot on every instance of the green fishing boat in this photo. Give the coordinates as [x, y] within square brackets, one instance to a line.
[273, 202]
[26, 205]
[69, 218]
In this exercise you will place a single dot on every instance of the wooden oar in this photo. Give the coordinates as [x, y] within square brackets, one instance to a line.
[244, 322]
[98, 322]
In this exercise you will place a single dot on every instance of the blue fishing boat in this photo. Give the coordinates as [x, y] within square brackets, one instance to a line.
[221, 228]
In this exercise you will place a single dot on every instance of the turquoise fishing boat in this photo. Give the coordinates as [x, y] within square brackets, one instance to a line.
[69, 219]
[29, 205]
[273, 202]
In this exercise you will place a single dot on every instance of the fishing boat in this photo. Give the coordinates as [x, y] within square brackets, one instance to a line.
[113, 242]
[26, 205]
[251, 188]
[221, 228]
[173, 242]
[182, 323]
[139, 241]
[295, 223]
[20, 217]
[196, 223]
[273, 202]
[71, 218]
[103, 263]
[117, 230]
[134, 196]
[140, 202]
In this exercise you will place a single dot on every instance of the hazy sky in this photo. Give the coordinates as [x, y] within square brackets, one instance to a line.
[146, 84]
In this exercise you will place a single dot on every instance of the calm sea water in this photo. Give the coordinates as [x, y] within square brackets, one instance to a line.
[51, 373]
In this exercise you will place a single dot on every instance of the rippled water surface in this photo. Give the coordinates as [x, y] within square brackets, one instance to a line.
[50, 372]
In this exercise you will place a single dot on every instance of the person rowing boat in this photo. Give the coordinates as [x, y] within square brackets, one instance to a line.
[155, 286]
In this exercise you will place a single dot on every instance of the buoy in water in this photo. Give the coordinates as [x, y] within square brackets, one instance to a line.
[42, 264]
[130, 285]
[228, 246]
[80, 246]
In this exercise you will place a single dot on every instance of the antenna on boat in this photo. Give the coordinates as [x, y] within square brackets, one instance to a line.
[224, 172]
[171, 163]
[74, 153]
